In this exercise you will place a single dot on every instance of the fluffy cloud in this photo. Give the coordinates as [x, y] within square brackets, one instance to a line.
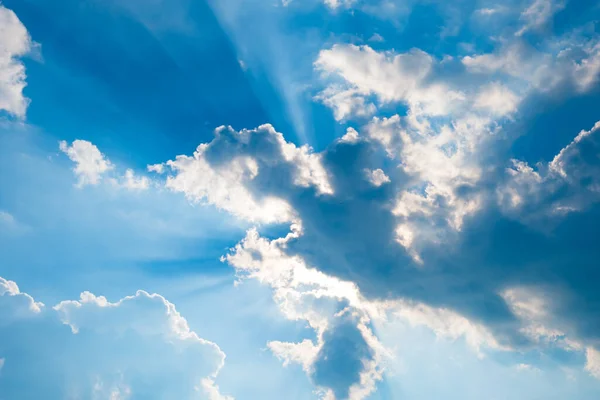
[440, 239]
[90, 163]
[573, 60]
[15, 42]
[230, 171]
[449, 129]
[497, 99]
[592, 364]
[346, 102]
[346, 360]
[327, 286]
[15, 305]
[137, 346]
[377, 177]
[439, 164]
[440, 143]
[387, 76]
[574, 173]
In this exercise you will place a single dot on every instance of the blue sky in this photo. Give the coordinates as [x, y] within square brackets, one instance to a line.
[320, 199]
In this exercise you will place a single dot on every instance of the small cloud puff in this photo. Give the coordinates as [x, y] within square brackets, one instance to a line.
[377, 177]
[91, 165]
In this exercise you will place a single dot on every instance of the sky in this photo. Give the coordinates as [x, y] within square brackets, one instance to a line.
[299, 199]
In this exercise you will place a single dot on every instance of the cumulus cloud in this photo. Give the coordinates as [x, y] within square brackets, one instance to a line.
[439, 207]
[346, 360]
[574, 60]
[459, 285]
[15, 42]
[90, 163]
[574, 172]
[228, 171]
[351, 136]
[212, 390]
[377, 177]
[346, 103]
[443, 140]
[438, 162]
[498, 99]
[387, 76]
[441, 238]
[137, 346]
[440, 143]
[592, 364]
[91, 166]
[16, 306]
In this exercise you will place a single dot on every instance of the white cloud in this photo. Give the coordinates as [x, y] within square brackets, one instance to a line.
[516, 60]
[132, 347]
[303, 353]
[387, 76]
[446, 324]
[538, 14]
[377, 177]
[565, 162]
[14, 305]
[228, 183]
[304, 293]
[439, 142]
[338, 3]
[224, 187]
[523, 184]
[133, 182]
[528, 192]
[15, 42]
[346, 103]
[572, 59]
[497, 99]
[158, 168]
[90, 163]
[351, 136]
[327, 304]
[438, 162]
[212, 390]
[592, 364]
[376, 37]
[587, 69]
[534, 308]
